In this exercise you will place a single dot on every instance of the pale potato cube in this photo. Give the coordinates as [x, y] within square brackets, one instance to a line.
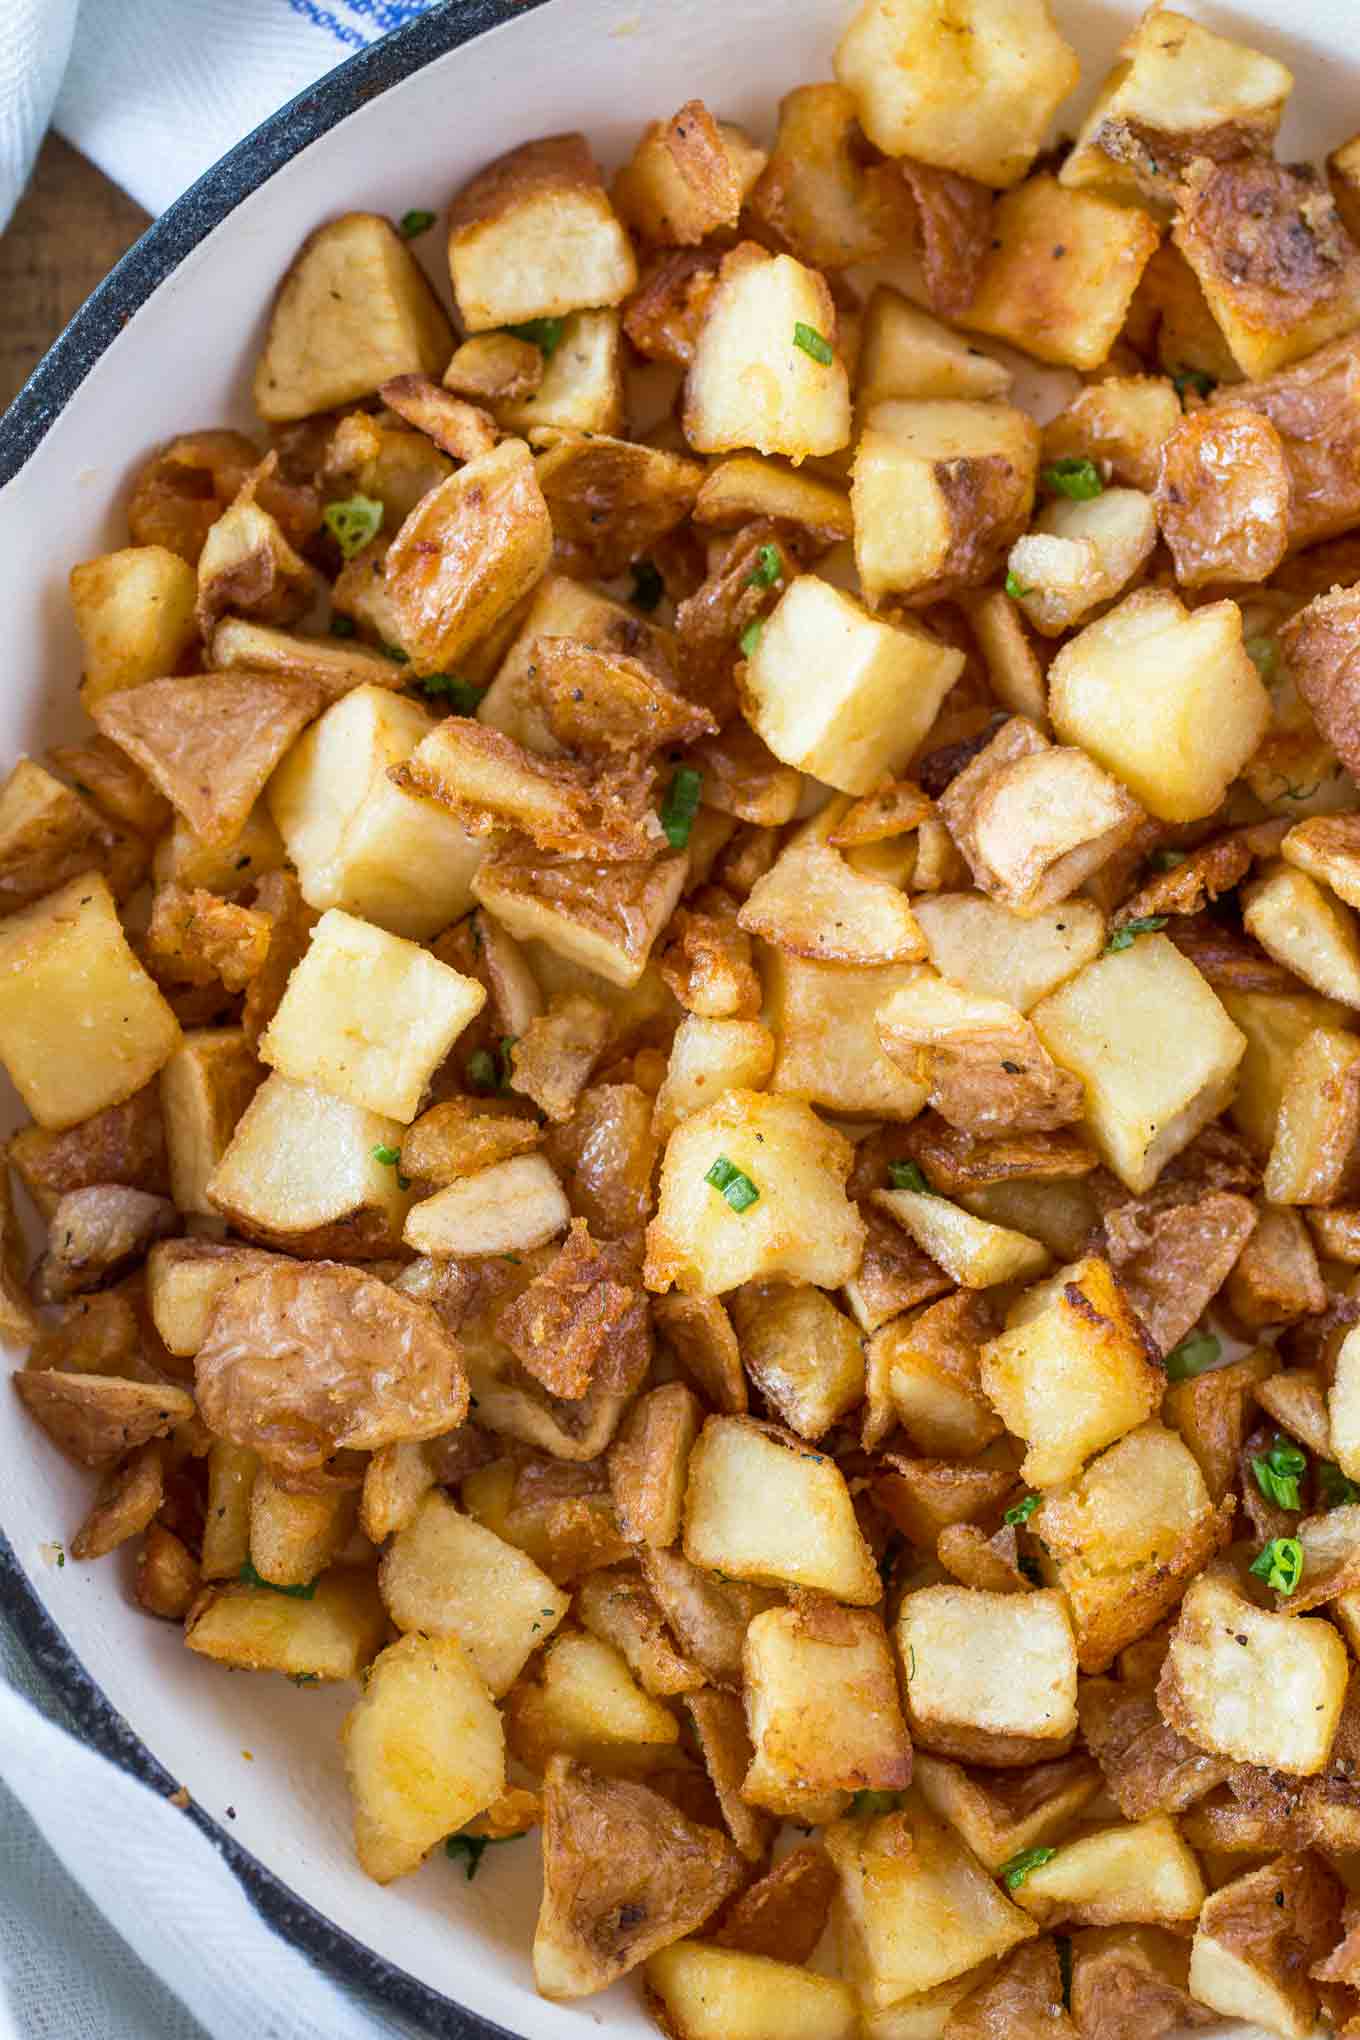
[968, 87]
[1260, 1940]
[294, 1537]
[134, 611]
[972, 1252]
[736, 491]
[922, 1372]
[331, 1635]
[1080, 555]
[840, 694]
[232, 1473]
[424, 1752]
[353, 310]
[1274, 1024]
[760, 1506]
[822, 1711]
[751, 382]
[1013, 666]
[368, 1016]
[906, 353]
[940, 490]
[447, 1575]
[1062, 272]
[301, 1160]
[1273, 1700]
[533, 235]
[182, 858]
[82, 1026]
[917, 1908]
[1072, 1372]
[984, 948]
[1314, 1156]
[560, 607]
[581, 1700]
[824, 1017]
[205, 1087]
[1343, 1405]
[1110, 1025]
[1139, 1874]
[1164, 698]
[357, 840]
[989, 1678]
[582, 386]
[603, 918]
[511, 1207]
[713, 1993]
[707, 1058]
[1121, 423]
[805, 1356]
[799, 1223]
[1307, 929]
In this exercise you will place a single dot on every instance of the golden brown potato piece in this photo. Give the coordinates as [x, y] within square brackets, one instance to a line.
[247, 564]
[606, 916]
[95, 1234]
[814, 904]
[1224, 497]
[128, 1498]
[1315, 408]
[821, 195]
[1257, 1938]
[96, 1418]
[954, 229]
[1276, 1279]
[612, 500]
[663, 316]
[301, 1362]
[1131, 1983]
[460, 429]
[459, 1136]
[197, 938]
[533, 235]
[1172, 1258]
[489, 781]
[648, 1462]
[596, 701]
[1121, 423]
[1023, 2000]
[552, 1060]
[107, 776]
[181, 490]
[1148, 1768]
[168, 1580]
[624, 1875]
[606, 1154]
[50, 833]
[981, 1060]
[1317, 646]
[125, 1144]
[493, 368]
[583, 1322]
[680, 184]
[784, 1913]
[700, 1333]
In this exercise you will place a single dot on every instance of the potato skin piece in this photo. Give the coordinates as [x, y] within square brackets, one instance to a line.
[1224, 497]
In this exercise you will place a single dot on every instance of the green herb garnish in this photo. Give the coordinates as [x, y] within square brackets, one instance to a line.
[1278, 1474]
[681, 805]
[648, 586]
[751, 637]
[1125, 937]
[472, 1848]
[417, 221]
[909, 1176]
[344, 626]
[1018, 1869]
[814, 343]
[304, 1678]
[1335, 1491]
[390, 1158]
[250, 1578]
[1264, 654]
[734, 1183]
[1194, 1355]
[1078, 478]
[1167, 860]
[1196, 379]
[768, 569]
[544, 334]
[1016, 588]
[352, 522]
[1022, 1510]
[488, 1072]
[462, 695]
[865, 1804]
[1280, 1564]
[395, 654]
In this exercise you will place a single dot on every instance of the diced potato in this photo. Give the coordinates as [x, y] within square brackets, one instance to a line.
[396, 1481]
[134, 611]
[878, 686]
[760, 1506]
[582, 386]
[707, 1058]
[616, 1605]
[649, 1464]
[1127, 1535]
[823, 1712]
[750, 383]
[984, 1066]
[1343, 1405]
[182, 858]
[49, 833]
[232, 1473]
[1224, 497]
[1274, 1700]
[1121, 423]
[447, 1575]
[906, 353]
[353, 309]
[745, 487]
[923, 1374]
[1343, 176]
[1259, 1940]
[333, 1635]
[972, 1252]
[511, 1207]
[1186, 739]
[82, 1026]
[533, 235]
[824, 1019]
[1059, 1212]
[1142, 1874]
[563, 608]
[1001, 1813]
[1072, 1372]
[799, 1224]
[818, 196]
[1177, 91]
[1274, 1024]
[1308, 930]
[603, 917]
[721, 1994]
[294, 1537]
[813, 903]
[970, 89]
[368, 1016]
[300, 1170]
[917, 1908]
[1081, 555]
[805, 1356]
[993, 953]
[424, 1752]
[1327, 847]
[205, 1087]
[580, 1699]
[1315, 1153]
[989, 1678]
[1062, 272]
[357, 840]
[1109, 1025]
[680, 184]
[168, 1579]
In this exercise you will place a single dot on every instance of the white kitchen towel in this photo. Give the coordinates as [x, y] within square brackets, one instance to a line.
[154, 91]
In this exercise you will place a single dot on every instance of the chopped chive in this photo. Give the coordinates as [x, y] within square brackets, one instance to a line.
[352, 522]
[463, 696]
[1335, 1491]
[768, 569]
[344, 626]
[681, 805]
[1075, 477]
[751, 637]
[544, 334]
[488, 1072]
[417, 221]
[864, 1804]
[472, 1848]
[250, 1578]
[814, 343]
[734, 1183]
[1167, 860]
[1018, 1869]
[1194, 1355]
[390, 1158]
[1125, 937]
[1016, 588]
[648, 586]
[1022, 1510]
[1196, 379]
[909, 1176]
[1264, 654]
[1279, 1473]
[395, 654]
[304, 1678]
[1280, 1564]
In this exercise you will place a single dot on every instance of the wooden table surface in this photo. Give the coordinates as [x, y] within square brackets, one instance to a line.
[69, 230]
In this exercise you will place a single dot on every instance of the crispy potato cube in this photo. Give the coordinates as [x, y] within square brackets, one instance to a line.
[424, 1751]
[969, 89]
[605, 917]
[616, 1605]
[680, 184]
[982, 1062]
[580, 1699]
[353, 309]
[333, 1635]
[1259, 1940]
[1072, 1372]
[1274, 1024]
[1081, 555]
[461, 1135]
[582, 385]
[1121, 423]
[205, 1087]
[759, 1506]
[1062, 272]
[511, 1207]
[923, 1374]
[447, 1575]
[134, 611]
[1307, 929]
[989, 1678]
[1279, 270]
[750, 382]
[125, 1144]
[368, 1016]
[906, 353]
[1273, 1701]
[878, 686]
[824, 1019]
[823, 1712]
[709, 1993]
[183, 858]
[1315, 1153]
[817, 196]
[941, 491]
[799, 1224]
[1001, 1813]
[970, 1250]
[805, 1356]
[294, 1537]
[466, 555]
[987, 950]
[168, 1578]
[738, 491]
[707, 1058]
[1187, 740]
[1177, 92]
[562, 608]
[916, 1906]
[1122, 1876]
[82, 1026]
[649, 1464]
[357, 840]
[396, 1480]
[1127, 1535]
[812, 902]
[1224, 497]
[533, 235]
[232, 1473]
[300, 1172]
[95, 1419]
[1109, 1025]
[1327, 847]
[1343, 1405]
